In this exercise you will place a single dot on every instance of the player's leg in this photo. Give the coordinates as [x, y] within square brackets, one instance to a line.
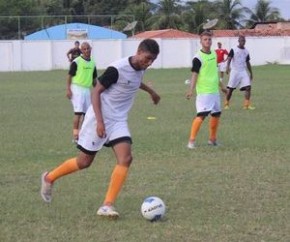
[124, 158]
[76, 125]
[232, 84]
[69, 166]
[203, 109]
[195, 126]
[214, 120]
[246, 87]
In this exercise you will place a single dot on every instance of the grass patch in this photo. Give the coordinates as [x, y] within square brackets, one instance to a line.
[236, 192]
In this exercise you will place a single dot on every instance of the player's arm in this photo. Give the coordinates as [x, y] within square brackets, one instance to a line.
[109, 77]
[71, 73]
[227, 54]
[95, 75]
[230, 56]
[249, 67]
[154, 96]
[68, 54]
[196, 65]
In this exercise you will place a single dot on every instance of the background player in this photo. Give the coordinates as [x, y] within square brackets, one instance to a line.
[74, 52]
[81, 76]
[106, 123]
[239, 61]
[205, 80]
[221, 60]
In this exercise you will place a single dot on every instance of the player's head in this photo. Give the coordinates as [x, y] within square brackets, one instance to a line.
[242, 41]
[147, 52]
[77, 43]
[206, 39]
[86, 49]
[219, 45]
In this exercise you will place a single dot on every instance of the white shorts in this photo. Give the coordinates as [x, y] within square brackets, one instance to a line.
[239, 79]
[81, 98]
[90, 141]
[208, 103]
[222, 66]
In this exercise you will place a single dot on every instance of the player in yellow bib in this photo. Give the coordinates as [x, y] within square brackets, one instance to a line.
[81, 76]
[206, 82]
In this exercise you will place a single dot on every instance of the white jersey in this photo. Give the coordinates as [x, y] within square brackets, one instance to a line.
[118, 99]
[239, 59]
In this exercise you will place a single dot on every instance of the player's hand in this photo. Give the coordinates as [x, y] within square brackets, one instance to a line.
[68, 93]
[189, 94]
[101, 131]
[155, 97]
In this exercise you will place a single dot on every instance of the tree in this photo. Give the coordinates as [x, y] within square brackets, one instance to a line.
[263, 12]
[167, 15]
[230, 13]
[142, 14]
[196, 14]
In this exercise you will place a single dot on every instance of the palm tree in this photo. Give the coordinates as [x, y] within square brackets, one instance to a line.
[263, 12]
[231, 13]
[142, 14]
[196, 14]
[168, 15]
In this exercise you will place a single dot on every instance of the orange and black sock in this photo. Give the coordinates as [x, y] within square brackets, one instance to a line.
[69, 166]
[196, 124]
[213, 126]
[118, 178]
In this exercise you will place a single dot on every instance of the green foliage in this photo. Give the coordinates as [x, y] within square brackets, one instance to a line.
[235, 192]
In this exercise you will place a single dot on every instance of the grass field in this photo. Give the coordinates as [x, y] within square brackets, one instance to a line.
[237, 192]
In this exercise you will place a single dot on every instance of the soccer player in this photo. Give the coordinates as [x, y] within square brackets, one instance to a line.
[82, 74]
[105, 123]
[74, 52]
[205, 80]
[221, 60]
[239, 61]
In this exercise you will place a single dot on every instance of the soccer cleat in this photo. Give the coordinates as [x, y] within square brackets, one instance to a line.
[226, 107]
[46, 189]
[191, 145]
[108, 211]
[213, 143]
[249, 108]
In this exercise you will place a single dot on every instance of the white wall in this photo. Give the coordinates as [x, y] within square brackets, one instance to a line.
[174, 53]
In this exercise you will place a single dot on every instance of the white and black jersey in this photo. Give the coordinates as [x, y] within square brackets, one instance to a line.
[240, 57]
[122, 82]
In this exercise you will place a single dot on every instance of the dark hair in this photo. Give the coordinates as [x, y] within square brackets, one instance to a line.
[149, 45]
[77, 42]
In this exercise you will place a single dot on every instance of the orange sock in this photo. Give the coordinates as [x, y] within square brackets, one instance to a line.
[246, 103]
[69, 166]
[117, 180]
[213, 126]
[196, 124]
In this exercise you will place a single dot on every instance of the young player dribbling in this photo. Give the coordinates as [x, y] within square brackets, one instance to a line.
[105, 123]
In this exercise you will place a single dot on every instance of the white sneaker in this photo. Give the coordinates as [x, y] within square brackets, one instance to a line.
[46, 189]
[191, 145]
[108, 211]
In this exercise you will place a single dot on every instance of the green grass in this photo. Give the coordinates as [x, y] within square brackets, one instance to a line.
[236, 192]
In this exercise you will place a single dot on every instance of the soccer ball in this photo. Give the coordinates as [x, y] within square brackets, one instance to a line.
[153, 208]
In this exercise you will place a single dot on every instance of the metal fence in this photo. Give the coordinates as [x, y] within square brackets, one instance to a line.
[17, 27]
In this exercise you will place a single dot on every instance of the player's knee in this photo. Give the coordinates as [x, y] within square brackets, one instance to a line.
[126, 160]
